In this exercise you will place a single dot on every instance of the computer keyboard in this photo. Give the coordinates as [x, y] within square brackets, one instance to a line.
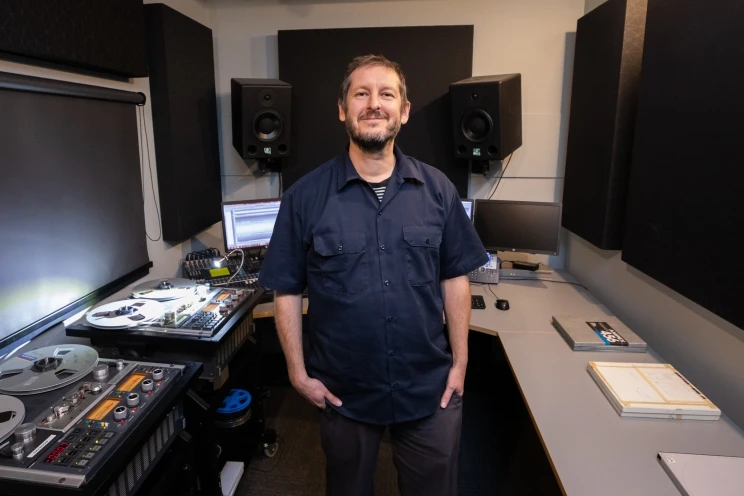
[477, 302]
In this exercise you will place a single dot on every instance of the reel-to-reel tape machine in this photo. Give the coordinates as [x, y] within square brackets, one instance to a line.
[173, 306]
[64, 412]
[174, 319]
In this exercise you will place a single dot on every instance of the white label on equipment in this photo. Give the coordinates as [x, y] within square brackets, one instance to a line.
[41, 446]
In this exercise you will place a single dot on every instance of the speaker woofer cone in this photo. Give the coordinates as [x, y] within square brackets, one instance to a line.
[477, 126]
[267, 125]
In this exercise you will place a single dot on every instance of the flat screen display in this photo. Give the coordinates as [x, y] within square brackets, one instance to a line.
[468, 204]
[528, 227]
[249, 224]
[71, 214]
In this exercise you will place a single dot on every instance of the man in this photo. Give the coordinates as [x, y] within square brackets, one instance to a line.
[383, 245]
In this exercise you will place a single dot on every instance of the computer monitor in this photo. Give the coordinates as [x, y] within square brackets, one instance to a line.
[249, 224]
[468, 204]
[518, 226]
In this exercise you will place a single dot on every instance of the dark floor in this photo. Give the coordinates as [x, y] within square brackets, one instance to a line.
[500, 453]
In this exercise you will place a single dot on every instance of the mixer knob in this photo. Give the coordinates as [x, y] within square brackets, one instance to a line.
[120, 412]
[17, 449]
[119, 364]
[95, 389]
[147, 385]
[75, 400]
[157, 375]
[101, 372]
[25, 433]
[133, 400]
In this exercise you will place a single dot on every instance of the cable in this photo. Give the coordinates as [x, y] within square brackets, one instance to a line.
[152, 183]
[281, 185]
[493, 191]
[488, 286]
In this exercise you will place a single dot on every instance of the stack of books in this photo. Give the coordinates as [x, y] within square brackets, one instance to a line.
[600, 334]
[653, 390]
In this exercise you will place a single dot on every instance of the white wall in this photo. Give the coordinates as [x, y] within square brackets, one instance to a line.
[706, 349]
[166, 257]
[525, 36]
[592, 4]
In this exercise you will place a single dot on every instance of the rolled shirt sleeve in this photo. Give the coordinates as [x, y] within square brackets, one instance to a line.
[284, 267]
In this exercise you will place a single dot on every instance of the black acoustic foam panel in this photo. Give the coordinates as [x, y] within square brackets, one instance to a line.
[184, 112]
[604, 99]
[106, 36]
[685, 212]
[314, 62]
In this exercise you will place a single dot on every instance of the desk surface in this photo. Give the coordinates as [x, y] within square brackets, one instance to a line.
[591, 448]
[532, 305]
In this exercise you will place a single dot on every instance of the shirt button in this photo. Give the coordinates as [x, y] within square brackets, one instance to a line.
[395, 385]
[391, 353]
[382, 247]
[427, 242]
[387, 283]
[390, 319]
[341, 247]
[379, 213]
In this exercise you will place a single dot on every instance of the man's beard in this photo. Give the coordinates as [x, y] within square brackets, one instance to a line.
[373, 142]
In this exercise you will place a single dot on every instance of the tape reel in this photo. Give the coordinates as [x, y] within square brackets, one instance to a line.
[12, 413]
[124, 314]
[164, 289]
[45, 369]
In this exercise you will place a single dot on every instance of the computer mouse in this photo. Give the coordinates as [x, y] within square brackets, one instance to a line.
[502, 304]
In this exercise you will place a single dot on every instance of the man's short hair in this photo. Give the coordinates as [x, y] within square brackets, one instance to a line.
[366, 61]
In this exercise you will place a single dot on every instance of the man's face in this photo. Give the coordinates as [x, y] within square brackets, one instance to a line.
[374, 110]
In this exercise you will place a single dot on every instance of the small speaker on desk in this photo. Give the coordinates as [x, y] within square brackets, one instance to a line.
[261, 111]
[487, 116]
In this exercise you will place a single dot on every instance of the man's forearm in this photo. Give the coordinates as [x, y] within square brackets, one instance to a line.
[288, 318]
[456, 296]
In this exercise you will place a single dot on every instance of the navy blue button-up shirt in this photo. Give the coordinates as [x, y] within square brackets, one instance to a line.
[372, 271]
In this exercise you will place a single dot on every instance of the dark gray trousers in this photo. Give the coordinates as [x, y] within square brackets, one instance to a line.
[425, 453]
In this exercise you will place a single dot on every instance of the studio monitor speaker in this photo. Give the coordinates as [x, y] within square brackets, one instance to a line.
[487, 116]
[261, 110]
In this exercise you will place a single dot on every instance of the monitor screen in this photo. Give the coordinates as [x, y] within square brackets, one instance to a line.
[468, 204]
[249, 224]
[528, 227]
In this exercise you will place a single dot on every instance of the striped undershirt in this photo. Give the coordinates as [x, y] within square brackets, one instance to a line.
[379, 188]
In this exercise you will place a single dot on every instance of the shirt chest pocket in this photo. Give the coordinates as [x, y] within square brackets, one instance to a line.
[422, 247]
[342, 261]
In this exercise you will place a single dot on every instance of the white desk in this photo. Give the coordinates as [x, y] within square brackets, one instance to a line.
[532, 305]
[592, 449]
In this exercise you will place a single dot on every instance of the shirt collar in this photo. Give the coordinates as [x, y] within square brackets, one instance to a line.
[403, 168]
